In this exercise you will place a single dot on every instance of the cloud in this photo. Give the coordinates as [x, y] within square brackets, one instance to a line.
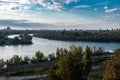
[83, 6]
[105, 7]
[53, 4]
[112, 10]
[95, 9]
[31, 4]
[25, 24]
[69, 1]
[48, 4]
[112, 18]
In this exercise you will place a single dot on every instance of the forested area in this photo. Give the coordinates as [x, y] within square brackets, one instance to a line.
[81, 35]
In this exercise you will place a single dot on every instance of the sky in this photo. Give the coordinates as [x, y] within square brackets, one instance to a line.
[60, 14]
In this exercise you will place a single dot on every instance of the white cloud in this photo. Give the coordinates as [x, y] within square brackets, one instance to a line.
[69, 1]
[105, 7]
[112, 10]
[95, 9]
[112, 18]
[54, 4]
[28, 4]
[82, 6]
[50, 5]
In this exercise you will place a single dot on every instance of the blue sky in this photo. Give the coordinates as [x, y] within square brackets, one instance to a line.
[60, 14]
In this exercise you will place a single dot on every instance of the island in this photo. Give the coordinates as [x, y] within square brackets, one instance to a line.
[21, 39]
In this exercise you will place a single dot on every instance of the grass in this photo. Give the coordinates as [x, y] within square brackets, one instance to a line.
[25, 71]
[93, 75]
[22, 72]
[96, 75]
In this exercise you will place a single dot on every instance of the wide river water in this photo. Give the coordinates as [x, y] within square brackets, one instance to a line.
[48, 46]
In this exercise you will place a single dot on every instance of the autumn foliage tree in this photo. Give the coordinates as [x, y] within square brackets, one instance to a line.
[112, 67]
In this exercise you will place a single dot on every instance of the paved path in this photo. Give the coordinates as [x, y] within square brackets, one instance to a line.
[21, 77]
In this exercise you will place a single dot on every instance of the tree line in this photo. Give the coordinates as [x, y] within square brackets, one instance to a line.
[81, 35]
[40, 57]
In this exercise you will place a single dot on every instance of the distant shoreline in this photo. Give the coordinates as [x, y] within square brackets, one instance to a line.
[80, 35]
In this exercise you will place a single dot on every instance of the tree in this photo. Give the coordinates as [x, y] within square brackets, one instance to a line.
[58, 53]
[73, 65]
[25, 39]
[45, 58]
[87, 61]
[52, 75]
[26, 60]
[2, 63]
[76, 51]
[70, 68]
[16, 40]
[51, 56]
[15, 60]
[39, 55]
[117, 52]
[112, 67]
[98, 51]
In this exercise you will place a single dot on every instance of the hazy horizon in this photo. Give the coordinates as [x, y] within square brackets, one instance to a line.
[60, 14]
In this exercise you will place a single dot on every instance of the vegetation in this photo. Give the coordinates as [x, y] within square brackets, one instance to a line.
[112, 67]
[75, 63]
[72, 64]
[96, 74]
[21, 39]
[81, 35]
[2, 38]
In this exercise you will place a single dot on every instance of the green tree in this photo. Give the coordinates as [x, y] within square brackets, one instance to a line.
[52, 75]
[52, 56]
[70, 68]
[15, 60]
[16, 40]
[2, 62]
[58, 53]
[87, 61]
[76, 51]
[25, 38]
[39, 55]
[26, 60]
[45, 58]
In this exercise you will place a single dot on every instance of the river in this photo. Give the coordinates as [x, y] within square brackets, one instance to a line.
[48, 46]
